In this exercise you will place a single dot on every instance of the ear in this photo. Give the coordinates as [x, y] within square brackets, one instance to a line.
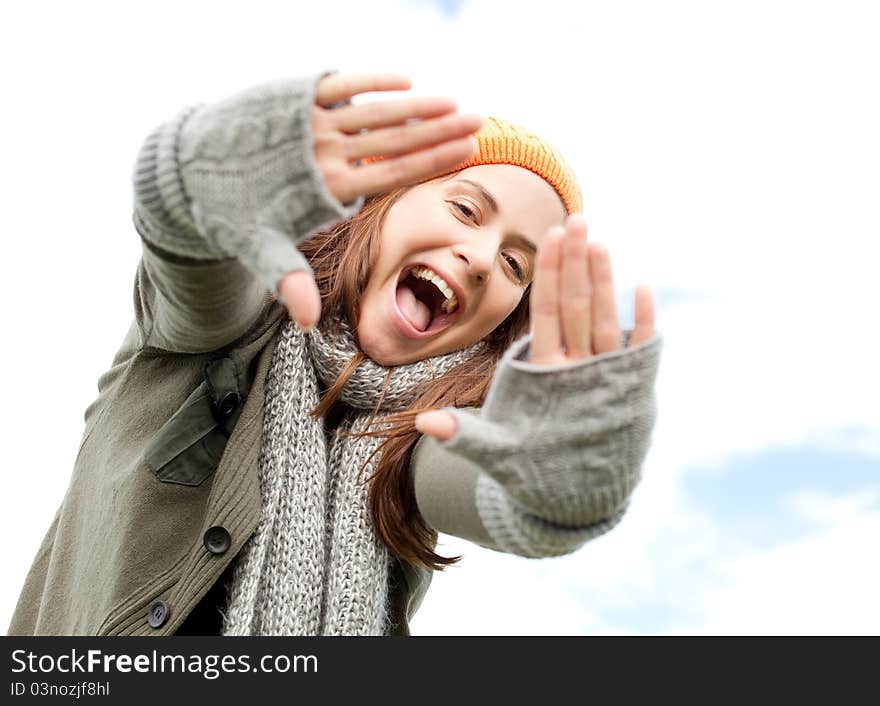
[437, 423]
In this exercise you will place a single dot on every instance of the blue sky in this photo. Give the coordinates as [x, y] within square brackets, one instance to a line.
[750, 499]
[448, 7]
[751, 491]
[727, 156]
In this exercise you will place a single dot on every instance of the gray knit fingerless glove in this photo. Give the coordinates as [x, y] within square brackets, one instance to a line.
[237, 178]
[561, 446]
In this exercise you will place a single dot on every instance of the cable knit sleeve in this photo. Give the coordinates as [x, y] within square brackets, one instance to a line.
[223, 194]
[551, 459]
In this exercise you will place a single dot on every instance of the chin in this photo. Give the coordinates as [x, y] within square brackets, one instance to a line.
[379, 350]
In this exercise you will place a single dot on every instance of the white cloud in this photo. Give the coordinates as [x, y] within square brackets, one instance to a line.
[826, 582]
[820, 509]
[674, 570]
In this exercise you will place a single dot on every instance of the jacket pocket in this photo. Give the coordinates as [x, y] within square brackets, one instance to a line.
[189, 446]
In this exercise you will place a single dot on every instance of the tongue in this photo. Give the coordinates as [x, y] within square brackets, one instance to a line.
[417, 312]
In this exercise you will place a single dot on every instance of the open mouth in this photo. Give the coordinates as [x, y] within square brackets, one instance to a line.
[420, 304]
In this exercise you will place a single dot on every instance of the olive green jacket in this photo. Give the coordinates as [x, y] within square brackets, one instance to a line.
[164, 489]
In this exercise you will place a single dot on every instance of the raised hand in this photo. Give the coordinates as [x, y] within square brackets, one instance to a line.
[572, 306]
[440, 138]
[437, 138]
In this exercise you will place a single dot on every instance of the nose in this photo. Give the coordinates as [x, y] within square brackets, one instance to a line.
[477, 256]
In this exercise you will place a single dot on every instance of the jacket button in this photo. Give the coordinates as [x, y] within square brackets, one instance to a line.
[217, 540]
[228, 404]
[158, 614]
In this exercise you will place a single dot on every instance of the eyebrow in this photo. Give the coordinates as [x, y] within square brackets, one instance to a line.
[493, 204]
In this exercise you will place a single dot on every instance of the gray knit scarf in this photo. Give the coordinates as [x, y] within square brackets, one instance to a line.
[314, 565]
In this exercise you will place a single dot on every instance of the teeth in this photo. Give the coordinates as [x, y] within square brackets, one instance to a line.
[451, 303]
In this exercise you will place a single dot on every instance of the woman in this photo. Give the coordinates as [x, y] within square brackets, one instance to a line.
[240, 473]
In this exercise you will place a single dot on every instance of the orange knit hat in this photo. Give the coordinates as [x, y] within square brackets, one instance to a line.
[503, 142]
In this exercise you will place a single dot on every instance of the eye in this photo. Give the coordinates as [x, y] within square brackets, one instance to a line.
[467, 212]
[520, 274]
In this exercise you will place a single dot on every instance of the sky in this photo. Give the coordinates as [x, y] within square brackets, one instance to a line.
[728, 155]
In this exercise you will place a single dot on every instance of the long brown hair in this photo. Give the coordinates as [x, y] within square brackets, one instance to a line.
[341, 259]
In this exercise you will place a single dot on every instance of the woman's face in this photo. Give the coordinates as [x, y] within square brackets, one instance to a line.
[478, 229]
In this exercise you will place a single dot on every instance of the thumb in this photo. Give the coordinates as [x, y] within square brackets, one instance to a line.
[301, 298]
[437, 423]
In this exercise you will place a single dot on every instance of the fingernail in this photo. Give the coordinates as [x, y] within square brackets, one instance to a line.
[418, 422]
[577, 218]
